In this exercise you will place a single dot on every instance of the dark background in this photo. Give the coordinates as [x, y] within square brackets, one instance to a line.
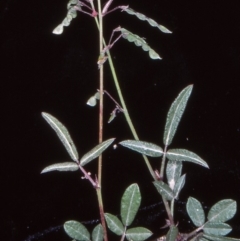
[57, 74]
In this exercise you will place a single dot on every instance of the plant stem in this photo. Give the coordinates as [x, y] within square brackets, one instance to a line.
[127, 116]
[99, 190]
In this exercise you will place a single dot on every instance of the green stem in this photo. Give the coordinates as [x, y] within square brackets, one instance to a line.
[127, 116]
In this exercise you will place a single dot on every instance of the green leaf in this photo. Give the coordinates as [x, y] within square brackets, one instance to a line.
[139, 42]
[130, 203]
[145, 148]
[218, 238]
[58, 30]
[164, 190]
[138, 234]
[96, 151]
[179, 185]
[114, 224]
[195, 211]
[219, 229]
[72, 13]
[173, 172]
[175, 114]
[92, 101]
[185, 155]
[149, 20]
[222, 211]
[76, 230]
[63, 135]
[97, 234]
[172, 234]
[62, 167]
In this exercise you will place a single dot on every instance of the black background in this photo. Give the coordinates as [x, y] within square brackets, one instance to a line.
[57, 74]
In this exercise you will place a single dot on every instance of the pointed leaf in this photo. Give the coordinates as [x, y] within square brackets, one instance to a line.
[219, 229]
[114, 224]
[175, 114]
[130, 203]
[222, 211]
[63, 135]
[145, 18]
[145, 148]
[172, 234]
[173, 172]
[97, 234]
[185, 155]
[218, 238]
[139, 42]
[138, 234]
[164, 190]
[62, 167]
[76, 230]
[195, 211]
[179, 185]
[96, 151]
